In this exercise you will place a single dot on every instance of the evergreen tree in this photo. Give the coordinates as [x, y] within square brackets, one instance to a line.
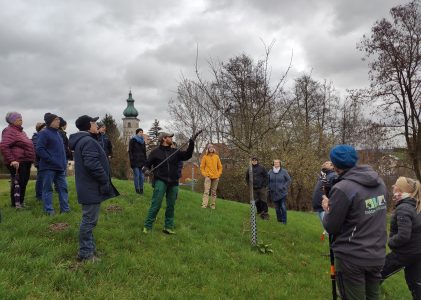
[154, 132]
[119, 163]
[112, 130]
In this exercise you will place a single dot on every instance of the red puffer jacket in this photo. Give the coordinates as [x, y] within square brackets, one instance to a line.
[15, 145]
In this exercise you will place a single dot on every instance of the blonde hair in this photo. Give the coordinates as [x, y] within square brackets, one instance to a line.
[411, 186]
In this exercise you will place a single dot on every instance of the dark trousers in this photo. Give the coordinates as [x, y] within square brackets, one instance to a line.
[357, 282]
[38, 185]
[412, 266]
[24, 172]
[260, 196]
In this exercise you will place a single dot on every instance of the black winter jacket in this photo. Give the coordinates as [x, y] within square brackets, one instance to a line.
[318, 192]
[405, 229]
[260, 177]
[105, 143]
[92, 169]
[168, 171]
[63, 134]
[357, 217]
[137, 153]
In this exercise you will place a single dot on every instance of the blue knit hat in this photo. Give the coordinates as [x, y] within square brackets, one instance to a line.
[343, 156]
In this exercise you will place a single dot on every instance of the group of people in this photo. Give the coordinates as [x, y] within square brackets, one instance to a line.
[50, 150]
[351, 202]
[349, 198]
[277, 181]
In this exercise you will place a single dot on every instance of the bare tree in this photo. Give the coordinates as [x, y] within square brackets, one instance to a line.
[393, 50]
[192, 111]
[241, 90]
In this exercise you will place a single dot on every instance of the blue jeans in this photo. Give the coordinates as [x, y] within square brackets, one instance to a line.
[90, 214]
[321, 215]
[281, 209]
[138, 178]
[59, 179]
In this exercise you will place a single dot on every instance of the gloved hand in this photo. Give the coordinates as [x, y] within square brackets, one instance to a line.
[194, 137]
[146, 171]
[105, 189]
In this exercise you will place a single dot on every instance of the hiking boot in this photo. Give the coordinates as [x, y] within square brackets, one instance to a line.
[204, 206]
[213, 207]
[18, 205]
[168, 231]
[265, 216]
[146, 230]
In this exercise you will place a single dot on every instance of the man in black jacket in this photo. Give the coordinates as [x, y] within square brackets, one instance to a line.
[260, 183]
[165, 164]
[323, 186]
[137, 155]
[93, 181]
[104, 140]
[356, 217]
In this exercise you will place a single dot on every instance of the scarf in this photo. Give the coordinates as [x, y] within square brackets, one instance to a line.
[276, 170]
[139, 139]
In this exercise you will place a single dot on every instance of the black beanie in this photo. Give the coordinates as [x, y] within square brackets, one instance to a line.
[62, 122]
[48, 118]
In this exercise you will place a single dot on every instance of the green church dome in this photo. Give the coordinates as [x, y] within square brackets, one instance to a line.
[130, 111]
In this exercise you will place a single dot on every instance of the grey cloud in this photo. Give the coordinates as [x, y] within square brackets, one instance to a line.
[82, 57]
[357, 14]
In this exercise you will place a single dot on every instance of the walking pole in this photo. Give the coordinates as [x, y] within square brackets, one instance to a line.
[326, 188]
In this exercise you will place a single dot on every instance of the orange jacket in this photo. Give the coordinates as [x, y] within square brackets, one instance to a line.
[211, 166]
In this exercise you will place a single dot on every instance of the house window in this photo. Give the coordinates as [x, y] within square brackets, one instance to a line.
[129, 125]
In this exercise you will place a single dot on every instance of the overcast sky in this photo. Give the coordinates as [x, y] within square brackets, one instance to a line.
[82, 56]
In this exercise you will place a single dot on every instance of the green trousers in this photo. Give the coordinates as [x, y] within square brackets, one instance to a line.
[160, 189]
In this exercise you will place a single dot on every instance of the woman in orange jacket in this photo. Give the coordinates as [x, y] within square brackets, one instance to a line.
[211, 169]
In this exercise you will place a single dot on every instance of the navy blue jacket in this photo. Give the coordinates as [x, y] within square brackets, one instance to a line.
[278, 184]
[34, 141]
[318, 192]
[50, 149]
[92, 169]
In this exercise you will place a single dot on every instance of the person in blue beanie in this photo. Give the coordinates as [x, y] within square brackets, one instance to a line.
[356, 217]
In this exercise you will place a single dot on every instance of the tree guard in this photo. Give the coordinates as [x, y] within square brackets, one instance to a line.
[253, 225]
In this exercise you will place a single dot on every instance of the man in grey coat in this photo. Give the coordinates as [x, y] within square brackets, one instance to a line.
[356, 217]
[93, 182]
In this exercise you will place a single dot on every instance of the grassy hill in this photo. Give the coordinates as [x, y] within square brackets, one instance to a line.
[208, 258]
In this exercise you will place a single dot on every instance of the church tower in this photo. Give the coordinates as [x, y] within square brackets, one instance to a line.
[130, 120]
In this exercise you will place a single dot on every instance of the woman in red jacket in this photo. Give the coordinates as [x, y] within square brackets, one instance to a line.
[18, 154]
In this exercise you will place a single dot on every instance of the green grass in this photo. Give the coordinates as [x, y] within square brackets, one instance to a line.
[209, 257]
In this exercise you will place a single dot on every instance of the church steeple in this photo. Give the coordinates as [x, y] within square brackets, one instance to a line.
[130, 111]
